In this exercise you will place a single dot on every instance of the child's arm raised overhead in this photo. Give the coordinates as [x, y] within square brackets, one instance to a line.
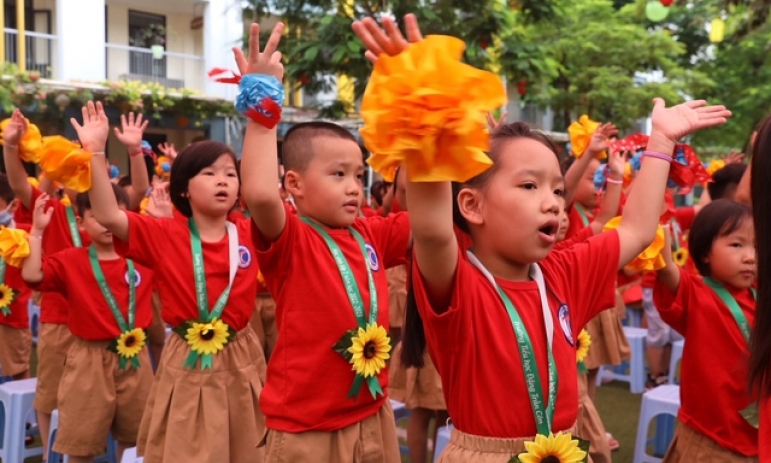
[93, 136]
[17, 176]
[130, 134]
[259, 161]
[612, 197]
[32, 268]
[430, 204]
[641, 214]
[598, 144]
[670, 274]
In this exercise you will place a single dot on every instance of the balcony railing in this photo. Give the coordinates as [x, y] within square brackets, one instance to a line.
[172, 70]
[40, 51]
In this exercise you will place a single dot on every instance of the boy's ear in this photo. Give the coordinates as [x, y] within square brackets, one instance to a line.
[470, 204]
[293, 184]
[79, 221]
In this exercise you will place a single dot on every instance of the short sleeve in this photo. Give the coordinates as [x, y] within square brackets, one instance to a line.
[588, 270]
[581, 236]
[685, 216]
[145, 238]
[446, 320]
[53, 273]
[392, 237]
[672, 306]
[272, 255]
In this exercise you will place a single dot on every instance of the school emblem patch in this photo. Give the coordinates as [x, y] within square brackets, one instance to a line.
[374, 265]
[244, 257]
[137, 277]
[564, 317]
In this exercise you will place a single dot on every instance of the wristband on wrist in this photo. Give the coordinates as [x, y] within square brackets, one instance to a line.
[655, 155]
[260, 99]
[98, 153]
[615, 182]
[133, 154]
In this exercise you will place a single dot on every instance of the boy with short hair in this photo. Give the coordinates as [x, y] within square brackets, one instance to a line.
[107, 374]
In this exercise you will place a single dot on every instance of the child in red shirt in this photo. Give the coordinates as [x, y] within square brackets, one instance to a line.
[203, 405]
[326, 268]
[478, 306]
[15, 335]
[109, 313]
[715, 313]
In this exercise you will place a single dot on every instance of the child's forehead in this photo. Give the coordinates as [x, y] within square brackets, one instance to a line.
[329, 151]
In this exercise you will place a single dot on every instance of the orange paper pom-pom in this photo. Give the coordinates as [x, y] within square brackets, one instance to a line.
[426, 109]
[14, 246]
[581, 135]
[30, 143]
[648, 260]
[66, 162]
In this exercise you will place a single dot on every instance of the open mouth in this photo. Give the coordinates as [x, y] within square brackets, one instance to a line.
[548, 231]
[222, 195]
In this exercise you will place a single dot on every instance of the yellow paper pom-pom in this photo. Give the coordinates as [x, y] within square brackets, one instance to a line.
[34, 182]
[714, 166]
[143, 205]
[163, 167]
[29, 146]
[65, 200]
[648, 260]
[14, 246]
[425, 108]
[66, 162]
[581, 135]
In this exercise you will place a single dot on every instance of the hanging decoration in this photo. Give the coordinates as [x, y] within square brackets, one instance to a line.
[655, 11]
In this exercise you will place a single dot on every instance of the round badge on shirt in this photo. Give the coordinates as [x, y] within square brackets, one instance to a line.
[564, 316]
[244, 257]
[137, 277]
[374, 265]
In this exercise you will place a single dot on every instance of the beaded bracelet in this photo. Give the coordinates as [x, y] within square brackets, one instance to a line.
[260, 99]
[653, 154]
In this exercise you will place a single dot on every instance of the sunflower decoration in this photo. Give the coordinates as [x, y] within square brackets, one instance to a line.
[556, 448]
[680, 256]
[66, 162]
[367, 350]
[7, 296]
[581, 133]
[426, 109]
[128, 346]
[648, 260]
[582, 349]
[14, 246]
[205, 338]
[163, 167]
[30, 143]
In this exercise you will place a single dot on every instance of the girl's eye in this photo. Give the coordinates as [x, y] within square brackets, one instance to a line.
[559, 192]
[339, 173]
[231, 174]
[529, 186]
[360, 176]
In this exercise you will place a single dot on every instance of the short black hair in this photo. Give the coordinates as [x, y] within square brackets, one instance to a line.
[190, 161]
[83, 202]
[124, 181]
[296, 150]
[726, 180]
[716, 219]
[6, 192]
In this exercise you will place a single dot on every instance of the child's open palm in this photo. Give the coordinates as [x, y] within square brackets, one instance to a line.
[268, 61]
[601, 138]
[616, 164]
[389, 39]
[686, 118]
[41, 216]
[130, 133]
[95, 129]
[15, 129]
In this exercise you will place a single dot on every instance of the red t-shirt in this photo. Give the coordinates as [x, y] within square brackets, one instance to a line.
[713, 388]
[473, 346]
[307, 381]
[163, 245]
[69, 273]
[576, 221]
[765, 430]
[54, 307]
[19, 316]
[684, 217]
[578, 237]
[367, 211]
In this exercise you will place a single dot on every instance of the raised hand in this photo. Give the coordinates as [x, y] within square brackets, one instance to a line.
[684, 119]
[16, 129]
[41, 215]
[494, 124]
[131, 131]
[266, 62]
[168, 150]
[95, 129]
[616, 165]
[389, 38]
[160, 201]
[601, 138]
[734, 157]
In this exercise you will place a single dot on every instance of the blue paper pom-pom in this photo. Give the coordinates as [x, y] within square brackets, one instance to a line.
[253, 88]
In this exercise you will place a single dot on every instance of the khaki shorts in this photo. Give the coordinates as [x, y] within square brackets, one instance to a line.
[15, 350]
[690, 446]
[96, 397]
[54, 342]
[372, 440]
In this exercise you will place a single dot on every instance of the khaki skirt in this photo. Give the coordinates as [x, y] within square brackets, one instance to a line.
[415, 387]
[609, 344]
[689, 446]
[208, 416]
[15, 350]
[590, 426]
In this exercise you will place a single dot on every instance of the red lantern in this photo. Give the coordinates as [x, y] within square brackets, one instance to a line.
[522, 87]
[667, 2]
[304, 80]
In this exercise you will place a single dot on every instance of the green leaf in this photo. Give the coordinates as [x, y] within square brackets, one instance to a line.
[311, 53]
[583, 445]
[515, 459]
[182, 328]
[354, 46]
[339, 55]
[342, 345]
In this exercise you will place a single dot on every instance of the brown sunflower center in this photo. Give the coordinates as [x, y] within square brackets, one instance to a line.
[207, 335]
[370, 349]
[130, 341]
[551, 459]
[2, 294]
